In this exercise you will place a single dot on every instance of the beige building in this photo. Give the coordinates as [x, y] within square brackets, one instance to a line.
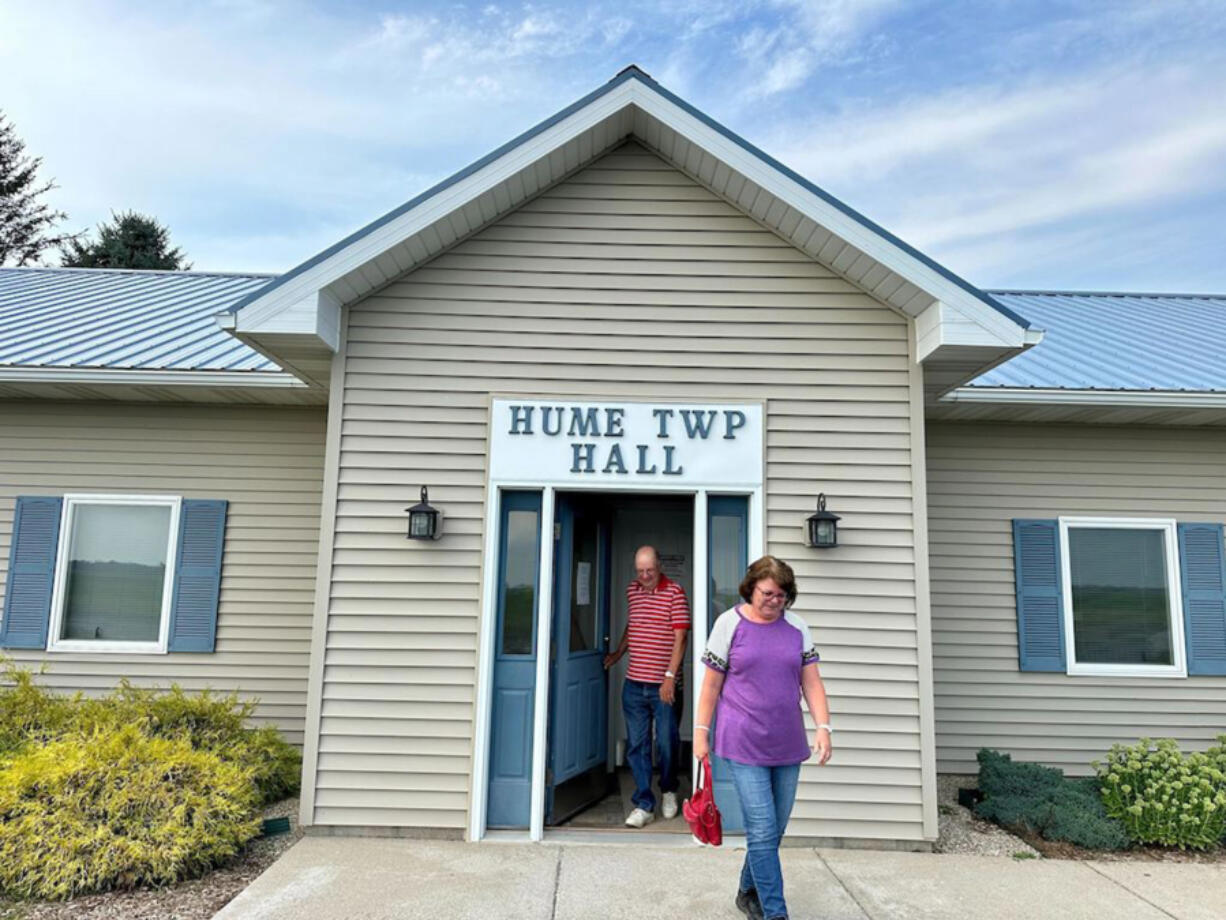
[627, 325]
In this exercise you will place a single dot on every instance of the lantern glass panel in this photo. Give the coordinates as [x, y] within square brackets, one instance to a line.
[825, 533]
[421, 524]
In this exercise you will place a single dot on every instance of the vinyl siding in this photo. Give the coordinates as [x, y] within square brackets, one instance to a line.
[268, 462]
[627, 280]
[980, 477]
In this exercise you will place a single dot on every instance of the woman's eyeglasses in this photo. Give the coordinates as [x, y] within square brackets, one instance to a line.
[772, 595]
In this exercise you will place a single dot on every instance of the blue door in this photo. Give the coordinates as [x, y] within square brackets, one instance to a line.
[510, 786]
[578, 718]
[727, 559]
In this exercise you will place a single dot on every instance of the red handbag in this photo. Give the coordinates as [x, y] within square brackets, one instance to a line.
[700, 811]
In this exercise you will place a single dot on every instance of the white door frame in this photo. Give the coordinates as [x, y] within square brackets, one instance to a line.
[479, 791]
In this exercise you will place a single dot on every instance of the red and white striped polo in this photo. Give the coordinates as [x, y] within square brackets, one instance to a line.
[654, 617]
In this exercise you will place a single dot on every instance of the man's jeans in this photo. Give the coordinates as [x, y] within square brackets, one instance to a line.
[642, 705]
[766, 795]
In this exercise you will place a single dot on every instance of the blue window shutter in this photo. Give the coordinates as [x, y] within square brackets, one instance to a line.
[1040, 596]
[193, 607]
[1202, 568]
[27, 596]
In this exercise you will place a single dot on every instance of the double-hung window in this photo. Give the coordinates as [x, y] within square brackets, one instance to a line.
[114, 573]
[1120, 597]
[1123, 610]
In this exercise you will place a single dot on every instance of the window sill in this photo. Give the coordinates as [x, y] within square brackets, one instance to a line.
[1113, 670]
[108, 648]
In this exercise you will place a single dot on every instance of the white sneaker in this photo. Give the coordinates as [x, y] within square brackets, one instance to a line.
[669, 808]
[639, 818]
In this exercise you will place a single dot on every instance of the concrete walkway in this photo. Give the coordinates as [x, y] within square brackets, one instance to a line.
[327, 878]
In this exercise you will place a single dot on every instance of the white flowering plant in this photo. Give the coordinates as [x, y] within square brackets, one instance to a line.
[1164, 796]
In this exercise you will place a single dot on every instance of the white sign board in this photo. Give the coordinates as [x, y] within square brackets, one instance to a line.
[626, 444]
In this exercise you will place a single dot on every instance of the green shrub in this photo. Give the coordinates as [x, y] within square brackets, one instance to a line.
[30, 714]
[140, 787]
[212, 723]
[118, 809]
[1046, 802]
[1164, 796]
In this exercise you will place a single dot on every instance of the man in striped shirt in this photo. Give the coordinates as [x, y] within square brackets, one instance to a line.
[656, 625]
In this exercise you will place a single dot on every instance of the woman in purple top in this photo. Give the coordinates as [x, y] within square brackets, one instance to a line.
[760, 658]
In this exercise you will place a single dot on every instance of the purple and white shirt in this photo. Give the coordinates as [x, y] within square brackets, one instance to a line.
[758, 719]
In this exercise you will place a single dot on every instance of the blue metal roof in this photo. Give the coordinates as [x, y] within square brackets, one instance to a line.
[98, 318]
[115, 319]
[1106, 341]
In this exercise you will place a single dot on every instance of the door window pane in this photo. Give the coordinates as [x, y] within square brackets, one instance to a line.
[728, 549]
[522, 540]
[583, 586]
[116, 574]
[1121, 607]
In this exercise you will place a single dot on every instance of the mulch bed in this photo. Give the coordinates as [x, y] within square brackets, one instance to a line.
[1058, 849]
[195, 900]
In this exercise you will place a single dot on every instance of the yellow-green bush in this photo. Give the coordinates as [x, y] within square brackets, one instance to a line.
[30, 714]
[141, 787]
[1164, 796]
[118, 809]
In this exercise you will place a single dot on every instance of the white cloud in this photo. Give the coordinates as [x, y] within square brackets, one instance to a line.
[805, 35]
[263, 130]
[950, 171]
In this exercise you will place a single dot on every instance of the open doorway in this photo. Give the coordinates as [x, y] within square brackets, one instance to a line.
[588, 782]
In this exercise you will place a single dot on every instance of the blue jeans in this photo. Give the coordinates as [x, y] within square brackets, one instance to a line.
[766, 795]
[642, 705]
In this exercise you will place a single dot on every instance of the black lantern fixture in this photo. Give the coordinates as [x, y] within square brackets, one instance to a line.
[425, 521]
[822, 529]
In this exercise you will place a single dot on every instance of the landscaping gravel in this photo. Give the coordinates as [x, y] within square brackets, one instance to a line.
[961, 832]
[195, 900]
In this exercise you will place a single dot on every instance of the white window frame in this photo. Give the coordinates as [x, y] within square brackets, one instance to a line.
[58, 595]
[1179, 667]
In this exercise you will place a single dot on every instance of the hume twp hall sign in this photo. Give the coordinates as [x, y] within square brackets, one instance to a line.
[561, 441]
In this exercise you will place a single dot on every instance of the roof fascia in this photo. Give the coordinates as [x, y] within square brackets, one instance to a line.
[1058, 397]
[245, 379]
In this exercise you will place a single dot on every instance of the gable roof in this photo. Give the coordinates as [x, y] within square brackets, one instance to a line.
[628, 74]
[1118, 342]
[298, 314]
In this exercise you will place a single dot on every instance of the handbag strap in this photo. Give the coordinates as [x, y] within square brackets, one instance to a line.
[704, 773]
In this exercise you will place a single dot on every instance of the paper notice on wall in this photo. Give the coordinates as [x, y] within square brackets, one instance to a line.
[673, 565]
[583, 583]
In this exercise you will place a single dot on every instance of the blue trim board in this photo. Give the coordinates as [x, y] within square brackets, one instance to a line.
[633, 73]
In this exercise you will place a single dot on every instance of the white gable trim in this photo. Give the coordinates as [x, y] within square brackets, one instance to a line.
[630, 105]
[998, 328]
[264, 313]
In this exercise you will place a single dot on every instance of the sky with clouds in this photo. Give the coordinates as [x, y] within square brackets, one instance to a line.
[1057, 145]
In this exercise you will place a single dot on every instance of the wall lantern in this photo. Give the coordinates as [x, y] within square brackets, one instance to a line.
[425, 522]
[822, 529]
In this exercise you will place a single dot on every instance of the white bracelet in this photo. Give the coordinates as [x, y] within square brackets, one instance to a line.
[825, 726]
[705, 728]
[670, 674]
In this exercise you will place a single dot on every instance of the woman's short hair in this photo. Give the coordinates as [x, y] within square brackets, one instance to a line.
[773, 568]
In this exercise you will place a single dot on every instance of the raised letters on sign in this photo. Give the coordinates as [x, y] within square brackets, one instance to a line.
[596, 435]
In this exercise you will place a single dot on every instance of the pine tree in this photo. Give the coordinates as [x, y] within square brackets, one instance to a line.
[130, 240]
[26, 223]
